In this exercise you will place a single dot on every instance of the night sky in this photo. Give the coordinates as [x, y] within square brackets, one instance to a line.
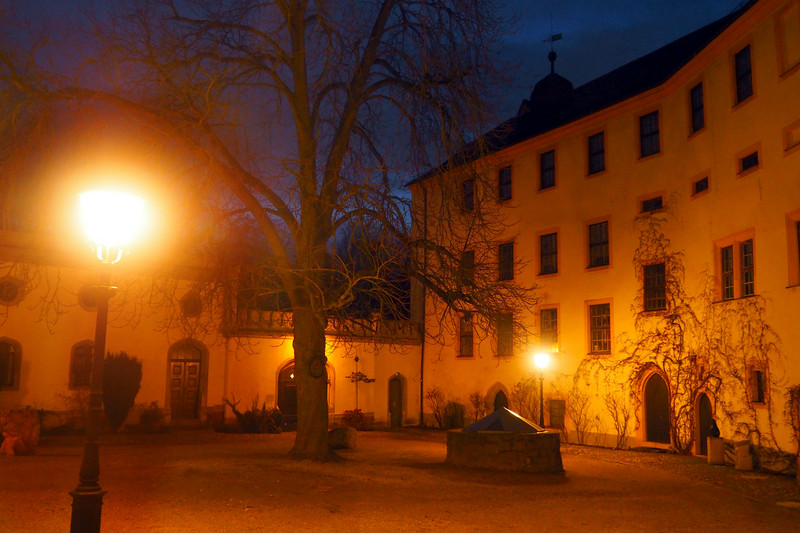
[598, 36]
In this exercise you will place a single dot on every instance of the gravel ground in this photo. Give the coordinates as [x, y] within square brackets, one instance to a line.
[393, 481]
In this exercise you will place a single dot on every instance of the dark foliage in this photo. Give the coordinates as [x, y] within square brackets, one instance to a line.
[122, 377]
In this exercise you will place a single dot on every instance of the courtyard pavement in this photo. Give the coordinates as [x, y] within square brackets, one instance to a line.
[394, 481]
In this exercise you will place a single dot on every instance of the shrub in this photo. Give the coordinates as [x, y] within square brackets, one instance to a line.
[356, 419]
[435, 398]
[453, 415]
[122, 377]
[257, 419]
[479, 405]
[151, 418]
[76, 410]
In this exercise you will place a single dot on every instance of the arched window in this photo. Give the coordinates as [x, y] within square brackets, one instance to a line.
[80, 365]
[10, 356]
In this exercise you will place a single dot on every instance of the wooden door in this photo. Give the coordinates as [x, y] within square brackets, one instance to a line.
[704, 416]
[184, 389]
[500, 400]
[656, 409]
[396, 402]
[287, 392]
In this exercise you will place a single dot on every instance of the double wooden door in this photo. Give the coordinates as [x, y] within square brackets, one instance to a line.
[184, 389]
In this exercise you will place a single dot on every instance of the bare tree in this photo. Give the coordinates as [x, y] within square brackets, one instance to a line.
[289, 118]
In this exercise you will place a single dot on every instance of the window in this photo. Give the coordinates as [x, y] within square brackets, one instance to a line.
[737, 270]
[548, 327]
[744, 75]
[652, 204]
[600, 328]
[504, 184]
[598, 244]
[700, 185]
[9, 364]
[726, 263]
[80, 365]
[597, 153]
[746, 262]
[749, 161]
[696, 104]
[648, 134]
[548, 253]
[505, 335]
[465, 336]
[505, 255]
[468, 194]
[655, 287]
[757, 385]
[797, 234]
[467, 267]
[547, 170]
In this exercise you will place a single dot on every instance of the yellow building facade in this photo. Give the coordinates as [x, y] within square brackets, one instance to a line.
[657, 209]
[191, 360]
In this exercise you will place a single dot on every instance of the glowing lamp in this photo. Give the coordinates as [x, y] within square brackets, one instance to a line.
[541, 360]
[111, 220]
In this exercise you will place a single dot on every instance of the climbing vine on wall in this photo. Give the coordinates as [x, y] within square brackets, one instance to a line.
[697, 344]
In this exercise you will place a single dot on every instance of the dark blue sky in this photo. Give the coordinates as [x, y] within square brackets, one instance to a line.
[598, 36]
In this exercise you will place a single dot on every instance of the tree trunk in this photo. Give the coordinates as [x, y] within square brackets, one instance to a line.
[311, 376]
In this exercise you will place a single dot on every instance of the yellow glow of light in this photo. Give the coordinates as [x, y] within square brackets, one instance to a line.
[111, 220]
[541, 360]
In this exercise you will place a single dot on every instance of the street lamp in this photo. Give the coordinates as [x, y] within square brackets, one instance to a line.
[111, 220]
[542, 361]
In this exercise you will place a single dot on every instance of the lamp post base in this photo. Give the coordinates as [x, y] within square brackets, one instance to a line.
[86, 510]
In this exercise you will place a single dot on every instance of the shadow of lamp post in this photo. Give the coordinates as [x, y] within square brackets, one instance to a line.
[542, 361]
[111, 219]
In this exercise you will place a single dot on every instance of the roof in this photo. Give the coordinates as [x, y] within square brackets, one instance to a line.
[631, 79]
[505, 420]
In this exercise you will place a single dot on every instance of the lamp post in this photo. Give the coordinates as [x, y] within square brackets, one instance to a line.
[110, 220]
[542, 361]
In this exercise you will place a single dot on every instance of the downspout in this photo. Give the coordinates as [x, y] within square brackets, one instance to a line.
[424, 300]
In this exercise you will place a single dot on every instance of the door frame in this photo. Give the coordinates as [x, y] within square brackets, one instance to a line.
[402, 380]
[202, 400]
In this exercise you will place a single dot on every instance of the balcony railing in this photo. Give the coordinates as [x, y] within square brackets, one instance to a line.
[255, 322]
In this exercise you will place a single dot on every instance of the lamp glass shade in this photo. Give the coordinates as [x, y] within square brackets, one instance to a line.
[111, 220]
[541, 360]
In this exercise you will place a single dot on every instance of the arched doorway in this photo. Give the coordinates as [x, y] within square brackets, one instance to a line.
[396, 402]
[287, 393]
[187, 375]
[656, 409]
[704, 417]
[500, 400]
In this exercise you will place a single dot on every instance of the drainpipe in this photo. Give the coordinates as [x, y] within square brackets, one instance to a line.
[424, 300]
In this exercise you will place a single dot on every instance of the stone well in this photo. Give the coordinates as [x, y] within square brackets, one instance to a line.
[509, 442]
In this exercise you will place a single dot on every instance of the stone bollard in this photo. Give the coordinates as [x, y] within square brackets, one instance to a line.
[744, 459]
[716, 450]
[342, 438]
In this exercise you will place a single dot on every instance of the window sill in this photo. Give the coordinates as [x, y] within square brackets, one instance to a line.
[649, 156]
[597, 173]
[598, 267]
[735, 298]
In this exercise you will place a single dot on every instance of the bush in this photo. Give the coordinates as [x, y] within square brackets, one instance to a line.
[151, 418]
[479, 405]
[435, 398]
[356, 419]
[453, 415]
[122, 377]
[257, 419]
